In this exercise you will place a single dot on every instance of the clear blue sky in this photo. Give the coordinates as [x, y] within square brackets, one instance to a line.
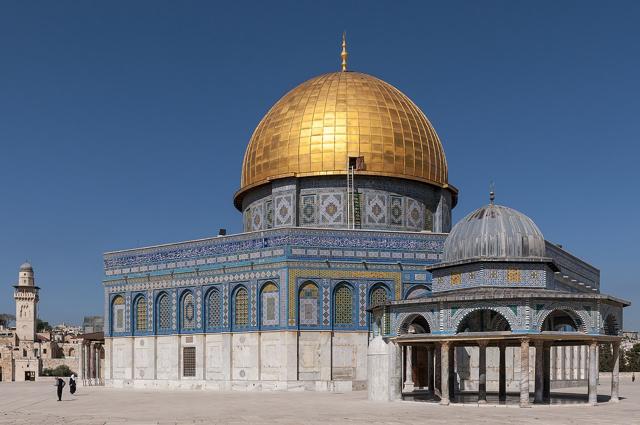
[124, 123]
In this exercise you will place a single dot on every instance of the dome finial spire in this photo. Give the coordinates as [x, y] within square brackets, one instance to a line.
[344, 53]
[492, 194]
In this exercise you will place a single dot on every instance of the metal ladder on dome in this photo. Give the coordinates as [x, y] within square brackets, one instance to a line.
[353, 197]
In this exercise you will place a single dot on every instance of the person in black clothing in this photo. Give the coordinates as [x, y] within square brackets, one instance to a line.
[60, 384]
[72, 384]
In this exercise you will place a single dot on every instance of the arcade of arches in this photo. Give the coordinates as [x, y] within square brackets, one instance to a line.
[439, 367]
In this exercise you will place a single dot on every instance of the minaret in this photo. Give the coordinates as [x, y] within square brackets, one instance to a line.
[26, 296]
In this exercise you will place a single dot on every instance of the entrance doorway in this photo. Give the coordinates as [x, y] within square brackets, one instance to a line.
[29, 375]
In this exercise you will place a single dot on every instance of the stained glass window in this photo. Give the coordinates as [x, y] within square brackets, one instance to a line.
[308, 304]
[141, 314]
[213, 309]
[164, 312]
[269, 304]
[378, 296]
[343, 306]
[242, 307]
[188, 312]
[117, 316]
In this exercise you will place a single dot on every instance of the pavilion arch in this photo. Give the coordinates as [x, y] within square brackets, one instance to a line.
[579, 322]
[611, 325]
[406, 320]
[498, 320]
[417, 291]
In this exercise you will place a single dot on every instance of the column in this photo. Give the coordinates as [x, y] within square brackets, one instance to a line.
[502, 375]
[452, 372]
[524, 373]
[408, 370]
[615, 372]
[482, 372]
[91, 360]
[437, 368]
[444, 373]
[430, 367]
[539, 371]
[546, 392]
[593, 373]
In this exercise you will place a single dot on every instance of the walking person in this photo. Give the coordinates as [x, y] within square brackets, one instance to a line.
[60, 384]
[72, 384]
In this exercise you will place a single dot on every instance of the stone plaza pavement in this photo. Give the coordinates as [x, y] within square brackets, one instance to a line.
[35, 403]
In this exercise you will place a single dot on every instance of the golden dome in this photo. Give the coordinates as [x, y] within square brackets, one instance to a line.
[317, 126]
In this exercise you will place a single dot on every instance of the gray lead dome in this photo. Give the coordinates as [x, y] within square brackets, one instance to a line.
[494, 231]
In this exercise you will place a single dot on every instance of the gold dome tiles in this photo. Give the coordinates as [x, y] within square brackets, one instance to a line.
[317, 126]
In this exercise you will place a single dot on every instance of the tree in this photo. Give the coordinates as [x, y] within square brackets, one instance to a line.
[606, 358]
[42, 326]
[632, 359]
[6, 319]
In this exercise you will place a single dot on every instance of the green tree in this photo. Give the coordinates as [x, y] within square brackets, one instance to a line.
[606, 358]
[42, 326]
[632, 359]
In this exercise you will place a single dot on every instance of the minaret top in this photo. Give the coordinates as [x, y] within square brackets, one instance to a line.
[344, 53]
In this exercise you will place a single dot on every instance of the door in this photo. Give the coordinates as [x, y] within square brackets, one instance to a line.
[29, 375]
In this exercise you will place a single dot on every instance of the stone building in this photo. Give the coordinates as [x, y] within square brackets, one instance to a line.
[25, 353]
[346, 206]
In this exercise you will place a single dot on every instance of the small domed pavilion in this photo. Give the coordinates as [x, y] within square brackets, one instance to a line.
[500, 287]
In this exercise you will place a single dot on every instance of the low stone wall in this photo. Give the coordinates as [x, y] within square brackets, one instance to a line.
[72, 362]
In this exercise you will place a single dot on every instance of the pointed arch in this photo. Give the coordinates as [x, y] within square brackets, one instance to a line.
[187, 311]
[379, 294]
[140, 321]
[308, 304]
[117, 314]
[419, 322]
[241, 306]
[213, 308]
[269, 305]
[579, 322]
[343, 305]
[485, 319]
[163, 312]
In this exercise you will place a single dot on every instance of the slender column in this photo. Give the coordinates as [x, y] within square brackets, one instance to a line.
[430, 369]
[615, 372]
[408, 379]
[539, 382]
[436, 370]
[593, 373]
[482, 372]
[524, 373]
[444, 373]
[91, 361]
[452, 372]
[502, 375]
[546, 392]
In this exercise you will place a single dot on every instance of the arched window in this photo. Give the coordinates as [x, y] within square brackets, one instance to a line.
[378, 297]
[188, 310]
[214, 302]
[141, 314]
[343, 301]
[269, 302]
[117, 314]
[241, 306]
[308, 304]
[164, 312]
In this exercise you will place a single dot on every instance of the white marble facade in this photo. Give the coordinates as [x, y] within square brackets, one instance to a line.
[276, 360]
